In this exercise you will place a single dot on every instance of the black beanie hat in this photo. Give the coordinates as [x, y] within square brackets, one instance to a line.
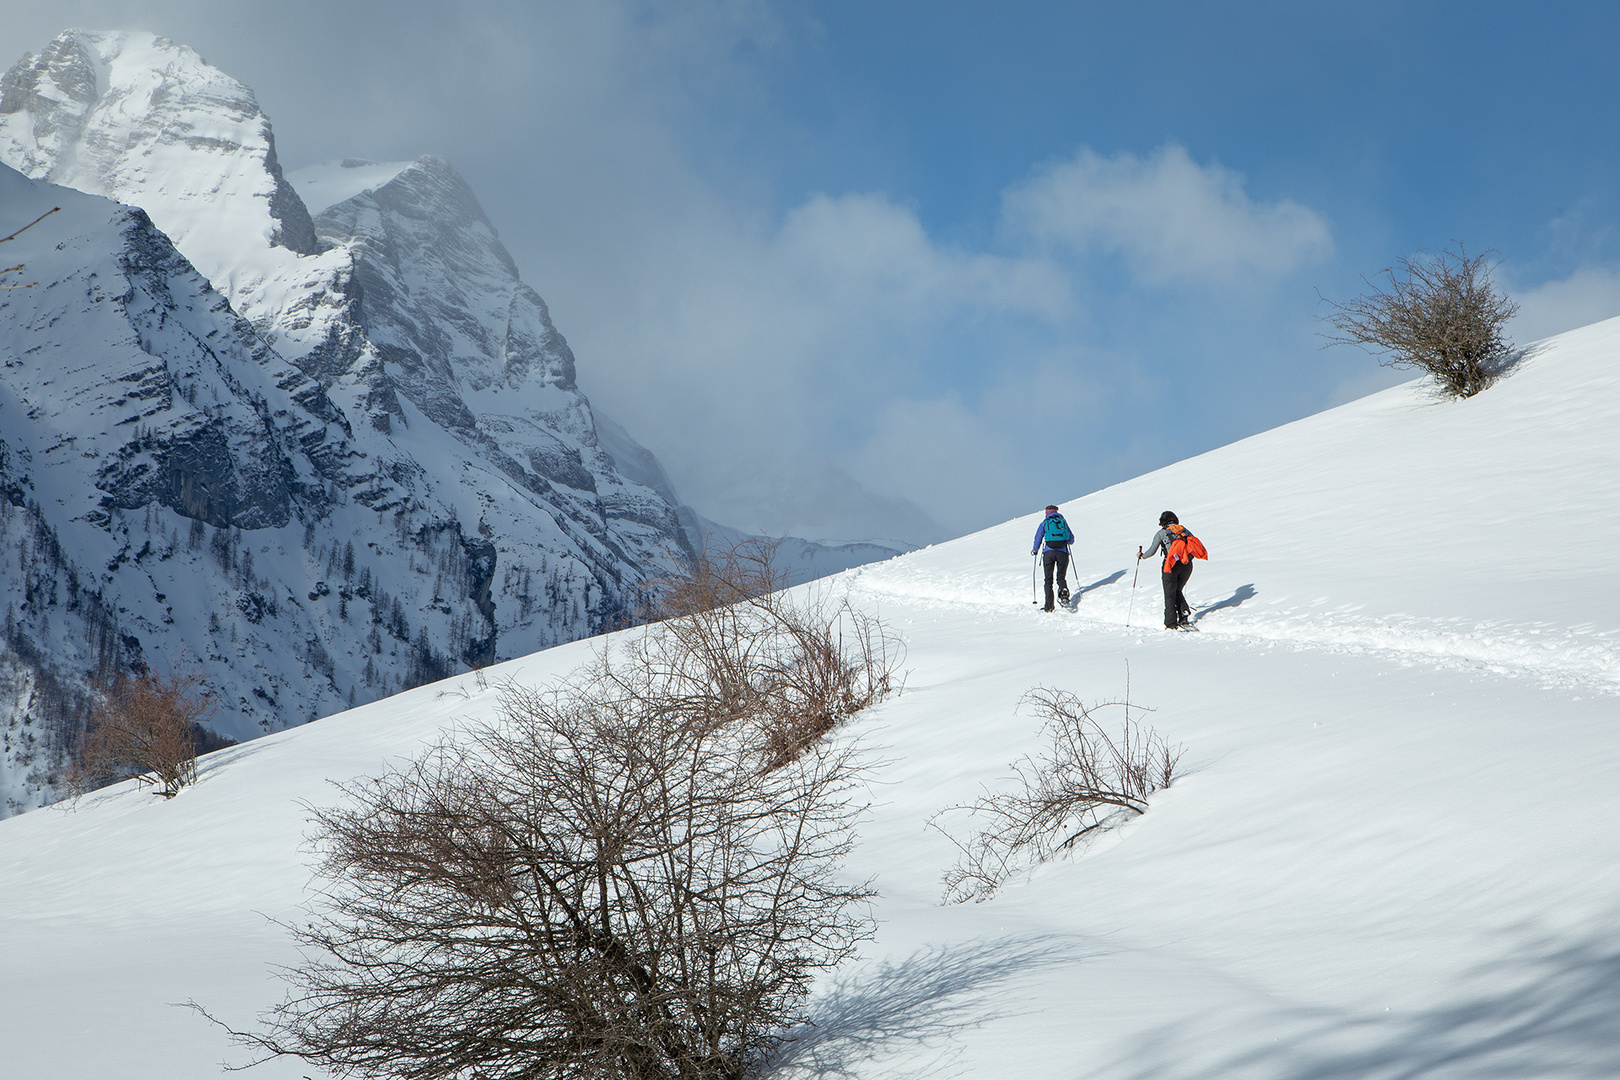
[1168, 518]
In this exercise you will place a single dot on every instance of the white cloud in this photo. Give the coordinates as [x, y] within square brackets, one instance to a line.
[751, 353]
[1172, 220]
[951, 459]
[756, 356]
[867, 251]
[756, 345]
[1591, 294]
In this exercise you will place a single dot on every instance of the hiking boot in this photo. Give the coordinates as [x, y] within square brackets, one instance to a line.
[1063, 594]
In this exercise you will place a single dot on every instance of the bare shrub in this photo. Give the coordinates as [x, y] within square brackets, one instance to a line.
[1440, 313]
[723, 575]
[148, 726]
[735, 643]
[628, 876]
[1086, 779]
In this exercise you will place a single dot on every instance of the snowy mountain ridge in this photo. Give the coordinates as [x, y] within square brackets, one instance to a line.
[404, 480]
[1390, 853]
[330, 182]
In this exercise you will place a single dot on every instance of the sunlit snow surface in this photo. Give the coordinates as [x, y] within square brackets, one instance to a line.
[1394, 852]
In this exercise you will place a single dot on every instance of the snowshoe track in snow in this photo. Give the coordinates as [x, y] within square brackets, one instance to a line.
[1580, 657]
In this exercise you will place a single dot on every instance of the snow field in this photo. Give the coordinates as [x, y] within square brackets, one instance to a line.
[1391, 852]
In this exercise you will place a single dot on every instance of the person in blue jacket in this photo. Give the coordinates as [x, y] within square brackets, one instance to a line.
[1052, 540]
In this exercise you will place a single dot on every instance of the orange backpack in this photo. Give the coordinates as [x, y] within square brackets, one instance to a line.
[1184, 548]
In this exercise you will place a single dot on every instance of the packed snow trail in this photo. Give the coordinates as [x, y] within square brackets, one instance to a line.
[1567, 657]
[1462, 534]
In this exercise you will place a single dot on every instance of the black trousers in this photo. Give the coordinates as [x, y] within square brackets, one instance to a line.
[1175, 604]
[1059, 561]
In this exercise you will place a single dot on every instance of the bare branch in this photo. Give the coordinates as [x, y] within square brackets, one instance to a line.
[13, 236]
[30, 225]
[1086, 780]
[1440, 313]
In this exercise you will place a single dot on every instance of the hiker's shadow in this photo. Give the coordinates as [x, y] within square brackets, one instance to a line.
[1240, 594]
[1100, 582]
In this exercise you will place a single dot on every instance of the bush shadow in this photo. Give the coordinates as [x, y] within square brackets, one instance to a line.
[1559, 1015]
[923, 1000]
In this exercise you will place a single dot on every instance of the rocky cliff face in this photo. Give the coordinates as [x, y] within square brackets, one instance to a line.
[326, 460]
[162, 471]
[447, 326]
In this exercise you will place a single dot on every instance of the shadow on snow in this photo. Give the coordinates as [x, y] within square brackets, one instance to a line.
[923, 1000]
[1553, 1015]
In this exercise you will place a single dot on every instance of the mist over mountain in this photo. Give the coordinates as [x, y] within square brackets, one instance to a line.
[323, 457]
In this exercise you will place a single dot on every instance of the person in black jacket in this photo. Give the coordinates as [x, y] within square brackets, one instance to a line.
[1176, 572]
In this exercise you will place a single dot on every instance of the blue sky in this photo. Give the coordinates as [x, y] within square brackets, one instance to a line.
[828, 257]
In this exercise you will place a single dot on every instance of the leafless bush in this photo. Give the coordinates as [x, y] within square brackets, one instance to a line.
[735, 644]
[628, 876]
[148, 726]
[1441, 313]
[723, 575]
[1086, 779]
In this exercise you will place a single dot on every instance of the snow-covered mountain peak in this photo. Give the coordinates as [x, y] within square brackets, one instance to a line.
[426, 255]
[143, 120]
[378, 421]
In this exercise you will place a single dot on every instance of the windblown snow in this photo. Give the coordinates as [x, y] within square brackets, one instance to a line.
[325, 185]
[1392, 854]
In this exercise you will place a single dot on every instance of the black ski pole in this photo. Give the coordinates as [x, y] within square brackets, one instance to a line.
[1034, 577]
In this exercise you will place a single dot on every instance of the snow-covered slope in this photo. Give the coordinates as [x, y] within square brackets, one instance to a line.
[1392, 854]
[330, 182]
